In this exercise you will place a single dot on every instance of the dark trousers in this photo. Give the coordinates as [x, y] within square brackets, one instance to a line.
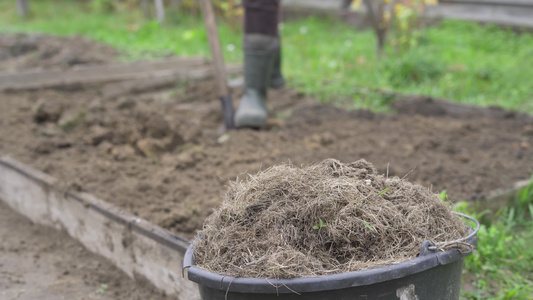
[261, 16]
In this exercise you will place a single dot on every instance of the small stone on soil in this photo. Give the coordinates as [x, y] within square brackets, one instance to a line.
[98, 134]
[149, 148]
[44, 147]
[121, 153]
[105, 147]
[96, 105]
[50, 130]
[157, 127]
[528, 130]
[185, 160]
[48, 111]
[126, 104]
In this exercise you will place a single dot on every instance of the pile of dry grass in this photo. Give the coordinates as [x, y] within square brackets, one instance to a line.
[326, 218]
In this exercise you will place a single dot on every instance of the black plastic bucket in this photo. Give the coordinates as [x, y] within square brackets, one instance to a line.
[434, 275]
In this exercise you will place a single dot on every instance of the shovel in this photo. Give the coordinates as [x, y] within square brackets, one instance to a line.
[218, 60]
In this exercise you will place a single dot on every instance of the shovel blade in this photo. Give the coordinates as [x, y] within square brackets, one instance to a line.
[227, 111]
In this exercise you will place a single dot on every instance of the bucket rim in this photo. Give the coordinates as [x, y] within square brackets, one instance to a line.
[429, 258]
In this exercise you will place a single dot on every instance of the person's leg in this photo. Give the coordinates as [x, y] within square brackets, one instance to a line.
[261, 17]
[261, 45]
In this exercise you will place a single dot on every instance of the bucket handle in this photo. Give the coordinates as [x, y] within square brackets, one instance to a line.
[431, 246]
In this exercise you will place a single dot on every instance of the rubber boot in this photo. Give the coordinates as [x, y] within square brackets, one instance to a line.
[259, 52]
[276, 80]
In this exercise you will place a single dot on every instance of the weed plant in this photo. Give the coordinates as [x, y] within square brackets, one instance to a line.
[502, 265]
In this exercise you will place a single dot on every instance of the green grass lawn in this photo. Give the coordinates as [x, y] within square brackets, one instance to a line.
[457, 60]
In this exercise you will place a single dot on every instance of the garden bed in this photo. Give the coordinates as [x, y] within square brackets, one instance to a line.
[162, 156]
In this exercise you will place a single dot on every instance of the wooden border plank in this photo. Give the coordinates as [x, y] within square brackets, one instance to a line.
[508, 15]
[527, 3]
[499, 198]
[134, 245]
[115, 89]
[97, 74]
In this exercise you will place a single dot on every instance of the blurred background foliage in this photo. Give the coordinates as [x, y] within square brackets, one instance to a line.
[461, 61]
[229, 10]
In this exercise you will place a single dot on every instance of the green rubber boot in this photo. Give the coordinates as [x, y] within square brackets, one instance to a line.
[276, 80]
[259, 52]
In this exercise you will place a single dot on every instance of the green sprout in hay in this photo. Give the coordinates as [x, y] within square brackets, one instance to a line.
[103, 289]
[319, 225]
[369, 226]
[384, 191]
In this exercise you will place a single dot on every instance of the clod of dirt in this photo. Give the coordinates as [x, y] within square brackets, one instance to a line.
[157, 128]
[48, 146]
[528, 130]
[320, 140]
[48, 111]
[150, 148]
[182, 218]
[123, 152]
[189, 157]
[154, 148]
[105, 148]
[326, 218]
[4, 54]
[186, 160]
[98, 134]
[125, 134]
[191, 134]
[126, 104]
[49, 130]
[19, 45]
[96, 105]
[154, 124]
[44, 147]
[35, 51]
[274, 124]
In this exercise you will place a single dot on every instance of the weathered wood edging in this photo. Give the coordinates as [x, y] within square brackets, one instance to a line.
[134, 245]
[502, 197]
[32, 79]
[516, 13]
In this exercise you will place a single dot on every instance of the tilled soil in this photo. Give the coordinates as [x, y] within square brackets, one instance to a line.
[162, 154]
[43, 263]
[163, 157]
[37, 51]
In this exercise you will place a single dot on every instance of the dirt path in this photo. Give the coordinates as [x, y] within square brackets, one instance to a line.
[43, 263]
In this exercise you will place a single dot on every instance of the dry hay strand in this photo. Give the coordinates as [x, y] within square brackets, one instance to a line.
[325, 218]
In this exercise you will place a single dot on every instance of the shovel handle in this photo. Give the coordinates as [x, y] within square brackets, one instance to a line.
[214, 43]
[218, 61]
